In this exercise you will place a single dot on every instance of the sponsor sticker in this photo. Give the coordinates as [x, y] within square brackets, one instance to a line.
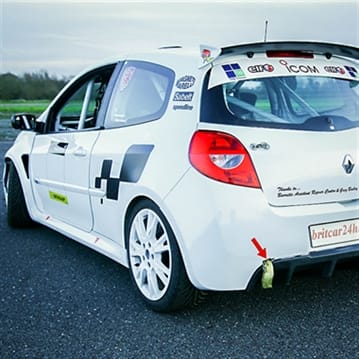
[185, 82]
[352, 71]
[305, 69]
[334, 70]
[185, 96]
[260, 68]
[126, 77]
[183, 107]
[233, 71]
[58, 197]
[334, 233]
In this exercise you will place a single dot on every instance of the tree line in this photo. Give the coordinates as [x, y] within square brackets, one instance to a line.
[30, 86]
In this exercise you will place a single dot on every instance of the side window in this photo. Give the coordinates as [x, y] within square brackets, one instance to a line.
[79, 107]
[141, 94]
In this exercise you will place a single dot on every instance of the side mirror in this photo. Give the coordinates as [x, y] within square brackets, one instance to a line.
[23, 121]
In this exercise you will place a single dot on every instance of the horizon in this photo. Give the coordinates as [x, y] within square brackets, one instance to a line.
[87, 32]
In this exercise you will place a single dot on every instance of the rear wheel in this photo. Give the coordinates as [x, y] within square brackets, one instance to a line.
[17, 213]
[155, 262]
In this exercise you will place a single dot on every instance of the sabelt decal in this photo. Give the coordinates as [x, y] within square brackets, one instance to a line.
[305, 69]
[132, 167]
[185, 96]
[58, 197]
[185, 82]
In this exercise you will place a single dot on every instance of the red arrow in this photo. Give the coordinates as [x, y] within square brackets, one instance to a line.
[262, 252]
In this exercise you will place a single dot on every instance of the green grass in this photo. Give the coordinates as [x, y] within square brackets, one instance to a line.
[10, 107]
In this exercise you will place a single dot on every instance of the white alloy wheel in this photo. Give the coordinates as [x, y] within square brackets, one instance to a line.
[150, 254]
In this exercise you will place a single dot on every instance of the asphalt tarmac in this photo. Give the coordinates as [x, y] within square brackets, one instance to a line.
[59, 299]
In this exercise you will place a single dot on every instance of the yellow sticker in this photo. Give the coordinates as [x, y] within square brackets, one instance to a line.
[58, 197]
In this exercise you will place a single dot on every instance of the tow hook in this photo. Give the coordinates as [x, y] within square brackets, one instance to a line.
[268, 273]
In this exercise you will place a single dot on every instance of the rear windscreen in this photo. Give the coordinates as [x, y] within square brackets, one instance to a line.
[300, 102]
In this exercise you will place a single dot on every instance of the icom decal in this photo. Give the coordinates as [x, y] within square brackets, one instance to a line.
[233, 71]
[132, 167]
[305, 69]
[185, 82]
[260, 68]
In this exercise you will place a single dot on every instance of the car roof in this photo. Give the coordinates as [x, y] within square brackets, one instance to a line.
[178, 56]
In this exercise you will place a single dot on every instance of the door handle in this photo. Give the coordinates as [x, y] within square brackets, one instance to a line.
[58, 148]
[80, 152]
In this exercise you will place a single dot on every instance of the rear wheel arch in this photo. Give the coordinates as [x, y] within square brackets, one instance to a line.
[176, 291]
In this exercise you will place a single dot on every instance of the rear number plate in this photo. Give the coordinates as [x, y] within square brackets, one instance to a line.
[333, 233]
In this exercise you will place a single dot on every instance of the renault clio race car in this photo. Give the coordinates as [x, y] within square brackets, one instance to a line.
[193, 167]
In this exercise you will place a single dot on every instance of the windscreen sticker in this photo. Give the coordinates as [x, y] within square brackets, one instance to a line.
[126, 77]
[254, 69]
[233, 71]
[334, 70]
[352, 71]
[301, 68]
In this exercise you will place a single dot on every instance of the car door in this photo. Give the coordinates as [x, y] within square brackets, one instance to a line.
[124, 148]
[60, 158]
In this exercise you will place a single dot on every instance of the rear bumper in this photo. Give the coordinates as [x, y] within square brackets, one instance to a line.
[326, 259]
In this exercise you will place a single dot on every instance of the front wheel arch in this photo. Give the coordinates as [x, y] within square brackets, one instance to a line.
[17, 212]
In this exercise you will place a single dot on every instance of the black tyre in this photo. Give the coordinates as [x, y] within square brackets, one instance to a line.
[155, 262]
[17, 213]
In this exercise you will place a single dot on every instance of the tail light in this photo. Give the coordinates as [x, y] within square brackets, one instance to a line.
[222, 157]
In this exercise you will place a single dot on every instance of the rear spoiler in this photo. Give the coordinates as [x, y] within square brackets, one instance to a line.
[323, 48]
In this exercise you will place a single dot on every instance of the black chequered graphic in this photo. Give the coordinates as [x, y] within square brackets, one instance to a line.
[132, 167]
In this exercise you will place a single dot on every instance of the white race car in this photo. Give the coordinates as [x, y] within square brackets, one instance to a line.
[195, 167]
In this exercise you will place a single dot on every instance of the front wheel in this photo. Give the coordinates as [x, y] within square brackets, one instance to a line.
[17, 213]
[155, 262]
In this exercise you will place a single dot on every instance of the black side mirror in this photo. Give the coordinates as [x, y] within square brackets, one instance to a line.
[23, 121]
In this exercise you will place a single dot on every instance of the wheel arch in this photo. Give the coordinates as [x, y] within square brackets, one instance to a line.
[171, 221]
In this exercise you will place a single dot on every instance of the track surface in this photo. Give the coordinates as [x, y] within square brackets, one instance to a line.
[59, 299]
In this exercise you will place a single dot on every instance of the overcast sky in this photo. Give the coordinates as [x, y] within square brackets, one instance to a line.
[63, 37]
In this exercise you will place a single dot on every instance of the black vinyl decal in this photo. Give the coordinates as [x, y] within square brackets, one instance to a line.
[132, 167]
[134, 162]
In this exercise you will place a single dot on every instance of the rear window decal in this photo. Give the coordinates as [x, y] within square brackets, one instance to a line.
[233, 71]
[352, 71]
[126, 77]
[299, 68]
